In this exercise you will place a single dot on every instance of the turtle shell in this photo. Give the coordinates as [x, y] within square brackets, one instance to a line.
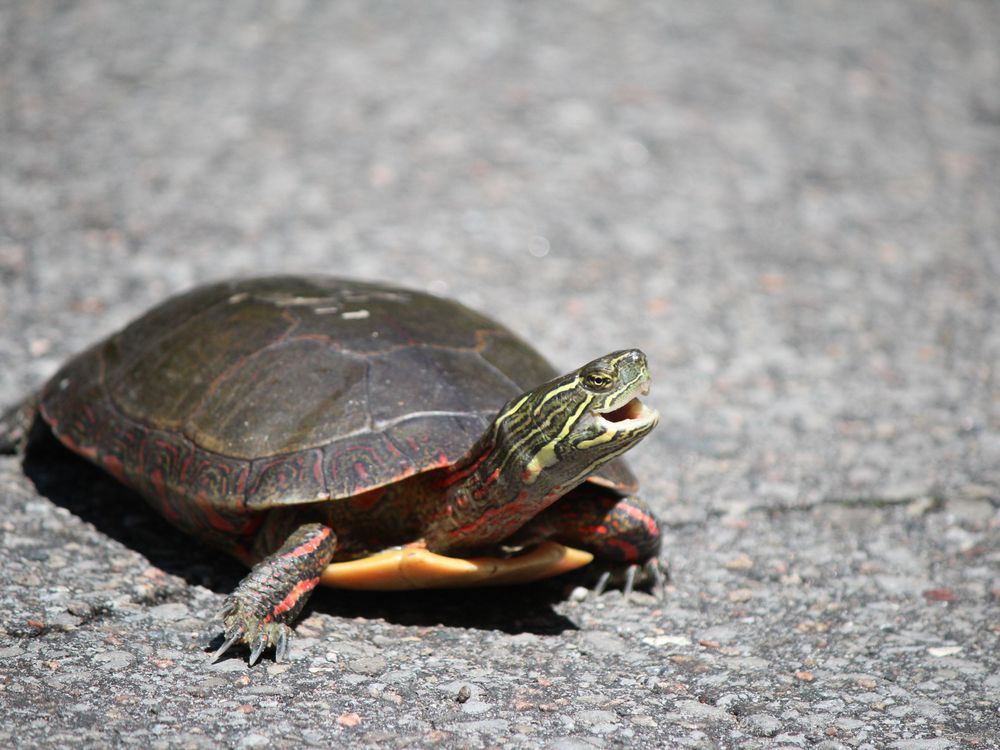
[246, 395]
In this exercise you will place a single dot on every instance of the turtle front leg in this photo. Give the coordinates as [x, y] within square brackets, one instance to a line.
[621, 532]
[259, 611]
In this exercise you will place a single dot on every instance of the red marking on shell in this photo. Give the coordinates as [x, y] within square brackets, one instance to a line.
[360, 469]
[49, 419]
[215, 520]
[185, 465]
[156, 478]
[318, 469]
[240, 486]
[366, 500]
[87, 451]
[114, 466]
[169, 511]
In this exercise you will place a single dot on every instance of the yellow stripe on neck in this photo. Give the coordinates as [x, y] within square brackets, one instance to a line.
[547, 455]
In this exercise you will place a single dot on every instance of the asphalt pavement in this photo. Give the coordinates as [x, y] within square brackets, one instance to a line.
[793, 208]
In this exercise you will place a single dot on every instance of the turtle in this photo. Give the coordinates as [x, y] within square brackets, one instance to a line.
[358, 434]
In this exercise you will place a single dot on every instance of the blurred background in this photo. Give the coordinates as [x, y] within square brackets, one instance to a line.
[792, 207]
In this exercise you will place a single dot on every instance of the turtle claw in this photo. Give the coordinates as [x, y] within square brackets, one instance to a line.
[272, 634]
[659, 574]
[259, 644]
[282, 647]
[226, 645]
[630, 572]
[652, 573]
[243, 625]
[602, 583]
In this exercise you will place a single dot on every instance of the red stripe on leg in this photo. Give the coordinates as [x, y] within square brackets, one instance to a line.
[309, 546]
[301, 589]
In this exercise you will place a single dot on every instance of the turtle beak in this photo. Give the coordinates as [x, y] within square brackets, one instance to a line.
[627, 412]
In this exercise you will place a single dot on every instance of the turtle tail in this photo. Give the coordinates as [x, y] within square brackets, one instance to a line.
[15, 425]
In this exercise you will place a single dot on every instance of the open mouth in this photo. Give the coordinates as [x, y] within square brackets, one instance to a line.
[631, 415]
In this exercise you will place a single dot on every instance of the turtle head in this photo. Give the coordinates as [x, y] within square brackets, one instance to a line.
[541, 445]
[562, 431]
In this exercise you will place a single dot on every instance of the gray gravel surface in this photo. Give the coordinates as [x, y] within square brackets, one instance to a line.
[792, 207]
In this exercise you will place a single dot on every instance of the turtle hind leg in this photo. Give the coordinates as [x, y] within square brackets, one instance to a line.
[621, 532]
[16, 424]
[259, 611]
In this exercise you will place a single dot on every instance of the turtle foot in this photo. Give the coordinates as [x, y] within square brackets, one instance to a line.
[245, 624]
[651, 574]
[257, 613]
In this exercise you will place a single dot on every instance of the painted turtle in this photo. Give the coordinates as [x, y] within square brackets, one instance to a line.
[328, 430]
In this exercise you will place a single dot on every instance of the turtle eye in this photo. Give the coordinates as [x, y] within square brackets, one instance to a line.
[598, 380]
